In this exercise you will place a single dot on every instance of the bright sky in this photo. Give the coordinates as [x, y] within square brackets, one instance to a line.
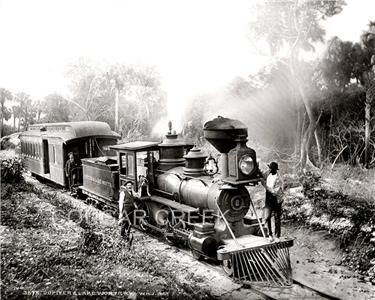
[196, 45]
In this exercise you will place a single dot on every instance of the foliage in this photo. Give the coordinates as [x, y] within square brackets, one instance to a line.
[26, 110]
[142, 103]
[361, 257]
[5, 112]
[338, 206]
[11, 170]
[96, 90]
[293, 24]
[7, 130]
[351, 132]
[341, 125]
[55, 109]
[291, 28]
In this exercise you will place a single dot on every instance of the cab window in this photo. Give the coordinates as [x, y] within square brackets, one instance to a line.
[127, 164]
[130, 158]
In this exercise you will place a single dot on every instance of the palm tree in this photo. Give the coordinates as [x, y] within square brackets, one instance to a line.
[25, 114]
[5, 113]
[16, 115]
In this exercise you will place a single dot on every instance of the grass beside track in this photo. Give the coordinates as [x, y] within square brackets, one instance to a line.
[48, 246]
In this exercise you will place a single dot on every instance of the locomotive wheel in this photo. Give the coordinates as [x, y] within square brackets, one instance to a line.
[109, 210]
[196, 255]
[227, 267]
[88, 201]
[143, 226]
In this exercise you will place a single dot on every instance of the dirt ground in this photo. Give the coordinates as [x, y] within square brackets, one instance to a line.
[316, 260]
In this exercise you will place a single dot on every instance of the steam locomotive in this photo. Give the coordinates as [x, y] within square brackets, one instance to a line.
[187, 202]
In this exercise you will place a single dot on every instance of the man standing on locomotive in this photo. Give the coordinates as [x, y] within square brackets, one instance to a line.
[127, 206]
[274, 189]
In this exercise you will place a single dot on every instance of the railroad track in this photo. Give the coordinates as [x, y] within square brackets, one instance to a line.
[298, 290]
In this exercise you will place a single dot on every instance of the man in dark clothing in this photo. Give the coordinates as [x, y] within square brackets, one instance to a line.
[127, 206]
[70, 174]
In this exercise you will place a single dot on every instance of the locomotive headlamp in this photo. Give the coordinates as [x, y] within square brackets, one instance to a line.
[246, 164]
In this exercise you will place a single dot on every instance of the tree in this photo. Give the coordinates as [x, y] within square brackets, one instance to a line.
[56, 109]
[37, 107]
[130, 99]
[5, 112]
[367, 77]
[345, 61]
[142, 102]
[293, 27]
[85, 81]
[16, 115]
[26, 113]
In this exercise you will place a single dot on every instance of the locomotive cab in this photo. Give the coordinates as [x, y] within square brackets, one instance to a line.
[136, 159]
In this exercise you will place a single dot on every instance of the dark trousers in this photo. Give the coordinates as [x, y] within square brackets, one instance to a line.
[71, 181]
[128, 219]
[272, 207]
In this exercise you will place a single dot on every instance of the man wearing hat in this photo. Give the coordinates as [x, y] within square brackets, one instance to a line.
[274, 188]
[126, 208]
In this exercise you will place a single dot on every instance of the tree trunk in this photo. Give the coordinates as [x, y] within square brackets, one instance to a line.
[116, 107]
[299, 129]
[25, 125]
[317, 141]
[370, 95]
[367, 131]
[318, 147]
[2, 127]
[330, 129]
[306, 141]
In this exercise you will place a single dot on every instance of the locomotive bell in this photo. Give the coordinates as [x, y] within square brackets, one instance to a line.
[194, 162]
[171, 150]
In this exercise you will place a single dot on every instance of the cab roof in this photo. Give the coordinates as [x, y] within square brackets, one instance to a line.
[136, 146]
[71, 130]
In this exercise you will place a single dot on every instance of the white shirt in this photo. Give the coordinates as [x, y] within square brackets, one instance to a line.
[271, 180]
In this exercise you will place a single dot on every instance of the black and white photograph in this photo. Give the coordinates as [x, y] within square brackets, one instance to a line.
[187, 149]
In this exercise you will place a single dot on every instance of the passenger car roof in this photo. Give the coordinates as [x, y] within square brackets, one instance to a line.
[71, 130]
